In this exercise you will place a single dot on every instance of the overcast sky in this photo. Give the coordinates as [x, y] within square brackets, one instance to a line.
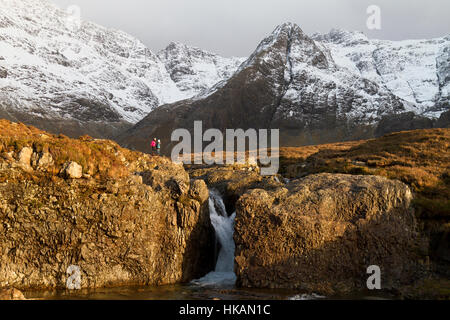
[235, 27]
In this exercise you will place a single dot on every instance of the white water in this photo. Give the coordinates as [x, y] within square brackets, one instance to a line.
[305, 296]
[224, 227]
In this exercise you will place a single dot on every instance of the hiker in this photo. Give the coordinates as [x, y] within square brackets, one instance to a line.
[158, 147]
[153, 144]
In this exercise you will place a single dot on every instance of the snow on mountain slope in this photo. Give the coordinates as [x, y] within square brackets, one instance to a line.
[315, 86]
[414, 70]
[290, 82]
[195, 70]
[52, 70]
[88, 74]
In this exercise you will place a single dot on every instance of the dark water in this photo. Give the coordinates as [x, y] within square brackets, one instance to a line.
[187, 292]
[171, 292]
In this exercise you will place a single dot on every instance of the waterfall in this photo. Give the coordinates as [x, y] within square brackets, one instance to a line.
[224, 228]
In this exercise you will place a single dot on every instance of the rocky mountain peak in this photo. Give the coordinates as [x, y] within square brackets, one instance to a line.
[286, 43]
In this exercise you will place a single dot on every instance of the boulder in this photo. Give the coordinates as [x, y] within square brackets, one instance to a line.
[72, 170]
[199, 190]
[232, 182]
[41, 160]
[24, 157]
[322, 232]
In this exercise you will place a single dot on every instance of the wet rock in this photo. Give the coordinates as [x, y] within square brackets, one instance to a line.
[320, 234]
[233, 182]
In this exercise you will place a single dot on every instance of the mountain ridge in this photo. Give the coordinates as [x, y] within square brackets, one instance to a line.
[289, 82]
[101, 81]
[53, 72]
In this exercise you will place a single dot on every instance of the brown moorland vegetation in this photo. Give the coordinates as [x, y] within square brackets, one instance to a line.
[100, 159]
[420, 158]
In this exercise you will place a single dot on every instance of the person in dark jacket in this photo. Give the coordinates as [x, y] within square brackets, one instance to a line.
[158, 147]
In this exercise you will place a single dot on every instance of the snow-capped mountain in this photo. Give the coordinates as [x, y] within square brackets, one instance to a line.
[290, 82]
[77, 77]
[195, 70]
[90, 73]
[417, 71]
[53, 69]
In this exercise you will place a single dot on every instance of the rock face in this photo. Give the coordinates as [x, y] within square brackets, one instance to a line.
[321, 233]
[3, 73]
[24, 156]
[444, 120]
[402, 122]
[146, 224]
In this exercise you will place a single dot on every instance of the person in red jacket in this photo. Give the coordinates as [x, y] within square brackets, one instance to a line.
[153, 144]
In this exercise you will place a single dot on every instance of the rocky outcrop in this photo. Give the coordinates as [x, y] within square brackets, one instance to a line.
[444, 120]
[130, 219]
[3, 73]
[72, 170]
[24, 156]
[320, 234]
[402, 122]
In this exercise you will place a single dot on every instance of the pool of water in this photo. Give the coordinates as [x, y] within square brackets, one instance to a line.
[189, 292]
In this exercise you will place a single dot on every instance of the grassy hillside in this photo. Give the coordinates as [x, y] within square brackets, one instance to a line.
[419, 158]
[100, 159]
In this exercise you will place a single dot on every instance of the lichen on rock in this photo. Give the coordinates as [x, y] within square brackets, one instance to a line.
[132, 220]
[322, 232]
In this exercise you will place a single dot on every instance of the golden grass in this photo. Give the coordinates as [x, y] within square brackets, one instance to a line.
[99, 158]
[420, 158]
